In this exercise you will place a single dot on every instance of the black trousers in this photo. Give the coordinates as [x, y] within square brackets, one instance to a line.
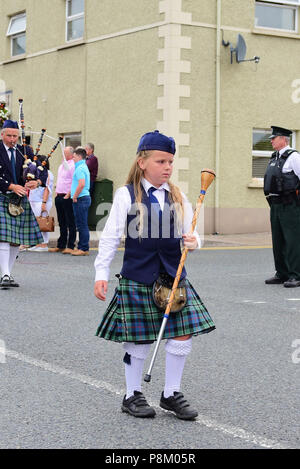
[285, 224]
[66, 221]
[92, 188]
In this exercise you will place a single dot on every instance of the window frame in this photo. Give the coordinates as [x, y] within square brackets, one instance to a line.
[7, 97]
[16, 34]
[267, 154]
[71, 18]
[11, 44]
[69, 136]
[281, 4]
[286, 2]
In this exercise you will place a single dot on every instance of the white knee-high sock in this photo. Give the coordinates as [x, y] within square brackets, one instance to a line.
[134, 363]
[4, 258]
[133, 375]
[12, 256]
[176, 353]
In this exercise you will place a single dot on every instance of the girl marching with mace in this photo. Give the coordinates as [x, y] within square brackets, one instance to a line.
[156, 217]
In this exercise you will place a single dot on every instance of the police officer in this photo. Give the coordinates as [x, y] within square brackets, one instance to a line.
[281, 186]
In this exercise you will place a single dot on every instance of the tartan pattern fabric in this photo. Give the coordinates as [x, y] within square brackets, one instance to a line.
[22, 229]
[132, 315]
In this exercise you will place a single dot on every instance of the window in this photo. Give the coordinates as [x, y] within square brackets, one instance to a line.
[72, 140]
[75, 19]
[262, 150]
[6, 96]
[285, 2]
[17, 32]
[281, 15]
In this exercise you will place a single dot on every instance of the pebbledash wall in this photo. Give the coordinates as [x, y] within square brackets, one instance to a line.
[143, 65]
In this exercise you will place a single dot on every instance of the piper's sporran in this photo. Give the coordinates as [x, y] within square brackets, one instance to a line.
[161, 293]
[15, 205]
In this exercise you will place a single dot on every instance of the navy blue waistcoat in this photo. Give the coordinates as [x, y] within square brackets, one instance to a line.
[158, 249]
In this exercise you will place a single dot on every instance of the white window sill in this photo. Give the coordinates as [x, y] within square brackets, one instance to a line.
[256, 183]
[74, 43]
[276, 32]
[14, 59]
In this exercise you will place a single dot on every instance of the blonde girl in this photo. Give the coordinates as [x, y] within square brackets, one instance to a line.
[156, 217]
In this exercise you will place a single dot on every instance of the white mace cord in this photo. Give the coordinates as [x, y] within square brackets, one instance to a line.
[66, 166]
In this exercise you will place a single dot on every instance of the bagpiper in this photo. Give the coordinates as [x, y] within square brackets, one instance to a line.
[18, 224]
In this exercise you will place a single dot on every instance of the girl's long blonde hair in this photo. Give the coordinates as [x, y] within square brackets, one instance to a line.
[135, 177]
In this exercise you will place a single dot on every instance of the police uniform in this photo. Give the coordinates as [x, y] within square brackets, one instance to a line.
[281, 186]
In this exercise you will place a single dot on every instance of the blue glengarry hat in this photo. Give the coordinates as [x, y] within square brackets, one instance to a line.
[157, 141]
[8, 124]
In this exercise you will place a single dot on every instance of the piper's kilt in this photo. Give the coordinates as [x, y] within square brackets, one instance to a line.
[23, 229]
[132, 315]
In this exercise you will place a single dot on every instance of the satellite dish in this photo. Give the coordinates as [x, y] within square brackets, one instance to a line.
[239, 50]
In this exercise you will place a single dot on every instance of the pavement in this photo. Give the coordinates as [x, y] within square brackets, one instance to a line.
[241, 240]
[238, 240]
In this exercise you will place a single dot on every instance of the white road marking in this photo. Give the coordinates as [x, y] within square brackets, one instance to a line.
[236, 432]
[62, 371]
[233, 431]
[254, 302]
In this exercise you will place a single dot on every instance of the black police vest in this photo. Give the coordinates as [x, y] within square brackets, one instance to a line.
[277, 182]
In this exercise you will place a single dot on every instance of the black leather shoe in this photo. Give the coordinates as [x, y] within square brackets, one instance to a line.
[178, 404]
[137, 406]
[292, 283]
[274, 280]
[13, 283]
[5, 282]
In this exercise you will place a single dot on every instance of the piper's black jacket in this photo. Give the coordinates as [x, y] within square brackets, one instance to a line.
[6, 177]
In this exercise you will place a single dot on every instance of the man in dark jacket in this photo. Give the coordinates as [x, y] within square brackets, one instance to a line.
[18, 224]
[92, 163]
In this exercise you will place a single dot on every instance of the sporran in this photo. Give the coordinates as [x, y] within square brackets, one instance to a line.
[161, 293]
[15, 205]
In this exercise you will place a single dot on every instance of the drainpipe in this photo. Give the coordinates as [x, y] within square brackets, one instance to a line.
[218, 94]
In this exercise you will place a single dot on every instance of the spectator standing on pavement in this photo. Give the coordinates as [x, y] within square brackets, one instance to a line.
[281, 186]
[80, 193]
[41, 203]
[64, 205]
[92, 163]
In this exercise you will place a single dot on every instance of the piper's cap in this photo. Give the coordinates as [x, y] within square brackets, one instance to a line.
[8, 124]
[280, 132]
[157, 141]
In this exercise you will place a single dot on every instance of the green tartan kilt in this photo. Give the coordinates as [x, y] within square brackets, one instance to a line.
[132, 315]
[23, 229]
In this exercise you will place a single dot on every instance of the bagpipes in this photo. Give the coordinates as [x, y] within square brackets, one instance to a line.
[34, 166]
